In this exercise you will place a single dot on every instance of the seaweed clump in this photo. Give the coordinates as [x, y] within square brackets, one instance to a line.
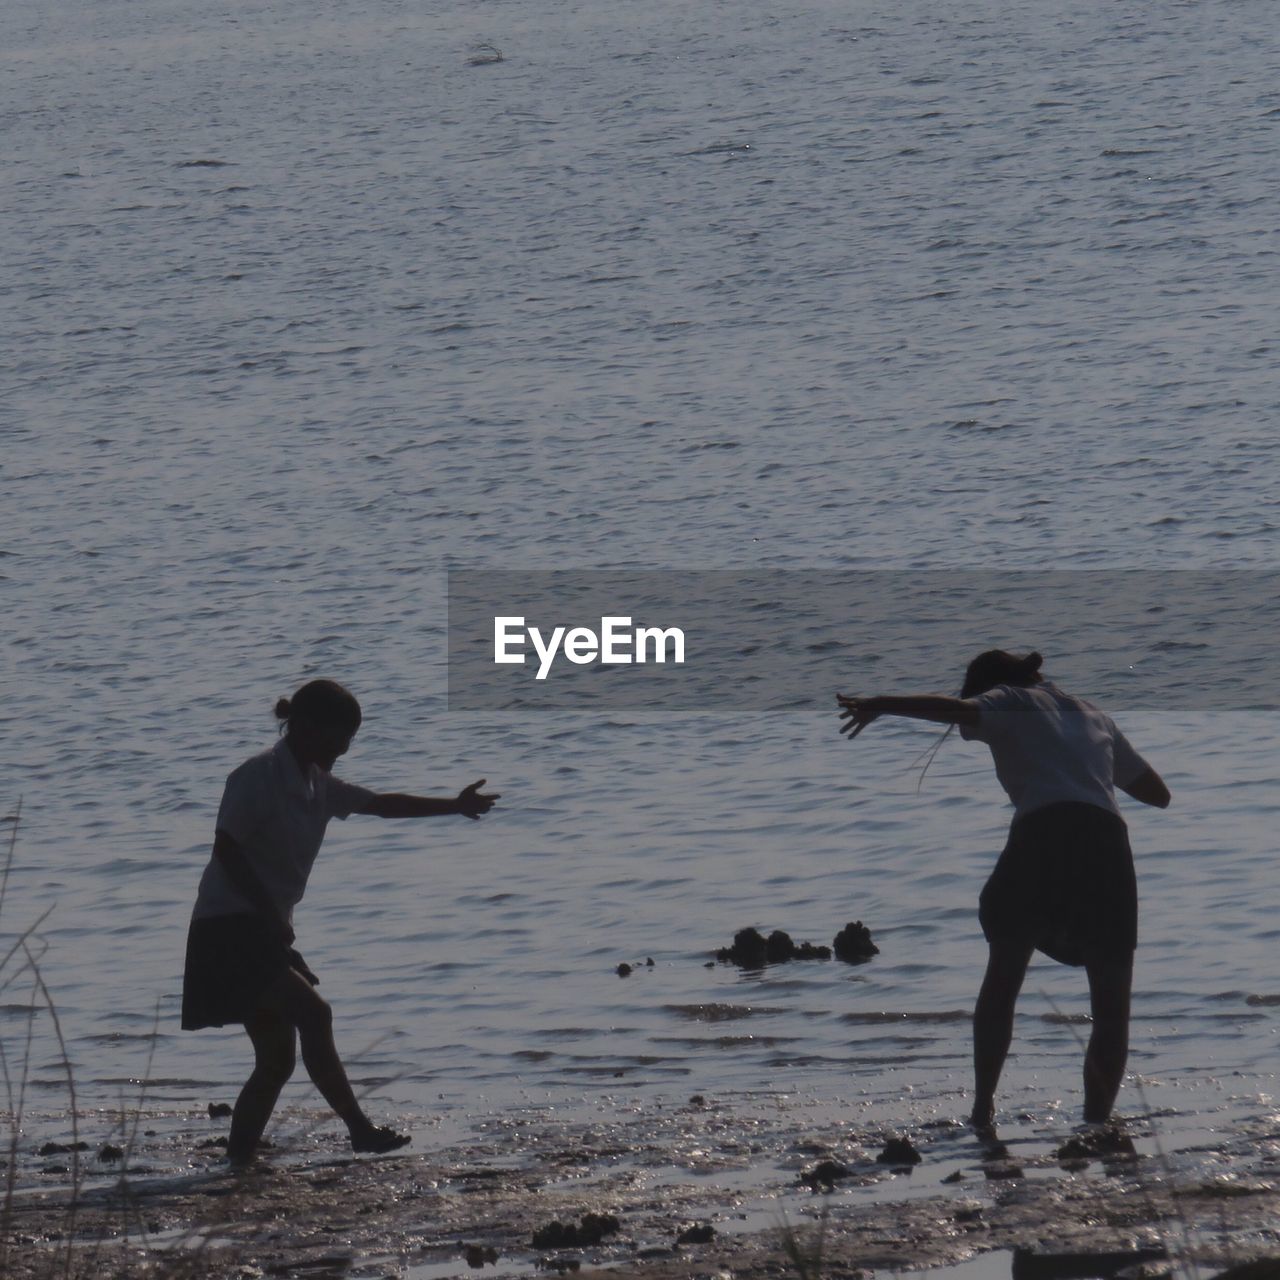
[752, 950]
[824, 1176]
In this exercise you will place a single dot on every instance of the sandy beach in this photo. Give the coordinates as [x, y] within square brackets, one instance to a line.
[651, 1174]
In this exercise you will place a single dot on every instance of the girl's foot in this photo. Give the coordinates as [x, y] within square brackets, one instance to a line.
[378, 1139]
[983, 1118]
[241, 1160]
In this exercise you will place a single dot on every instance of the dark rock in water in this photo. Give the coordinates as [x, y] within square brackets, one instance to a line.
[702, 1233]
[565, 1235]
[824, 1176]
[1106, 1142]
[807, 951]
[752, 950]
[62, 1148]
[623, 970]
[853, 943]
[898, 1151]
[749, 950]
[477, 1255]
[649, 961]
[110, 1153]
[555, 1235]
[218, 1110]
[779, 948]
[595, 1226]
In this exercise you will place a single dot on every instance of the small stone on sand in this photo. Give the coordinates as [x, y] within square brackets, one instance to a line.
[900, 1152]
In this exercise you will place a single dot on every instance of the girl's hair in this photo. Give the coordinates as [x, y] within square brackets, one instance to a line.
[995, 667]
[323, 702]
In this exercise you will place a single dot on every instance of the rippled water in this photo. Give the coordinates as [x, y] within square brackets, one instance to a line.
[304, 308]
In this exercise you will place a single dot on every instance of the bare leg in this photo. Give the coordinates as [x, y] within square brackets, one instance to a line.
[274, 1057]
[1110, 982]
[993, 1023]
[292, 998]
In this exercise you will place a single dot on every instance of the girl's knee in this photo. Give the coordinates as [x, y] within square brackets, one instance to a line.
[274, 1047]
[279, 1066]
[317, 1016]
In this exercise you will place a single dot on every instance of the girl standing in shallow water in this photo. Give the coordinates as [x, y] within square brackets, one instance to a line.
[240, 966]
[1065, 883]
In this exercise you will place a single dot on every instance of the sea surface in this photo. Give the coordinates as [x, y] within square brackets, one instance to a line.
[306, 305]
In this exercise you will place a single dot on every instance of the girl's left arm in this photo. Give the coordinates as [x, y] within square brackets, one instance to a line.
[1149, 787]
[470, 802]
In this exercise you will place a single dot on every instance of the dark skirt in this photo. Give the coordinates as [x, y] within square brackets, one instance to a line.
[1065, 885]
[231, 961]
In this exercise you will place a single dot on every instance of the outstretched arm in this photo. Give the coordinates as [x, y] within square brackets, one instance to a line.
[857, 713]
[1149, 788]
[470, 802]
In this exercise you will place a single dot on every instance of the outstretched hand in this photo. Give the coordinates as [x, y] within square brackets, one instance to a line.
[856, 714]
[471, 803]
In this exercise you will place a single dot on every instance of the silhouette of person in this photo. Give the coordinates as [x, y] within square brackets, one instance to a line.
[240, 965]
[1064, 883]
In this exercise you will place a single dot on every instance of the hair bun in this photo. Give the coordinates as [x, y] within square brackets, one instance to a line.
[1032, 662]
[283, 707]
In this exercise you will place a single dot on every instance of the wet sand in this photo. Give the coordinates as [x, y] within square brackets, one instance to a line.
[742, 1169]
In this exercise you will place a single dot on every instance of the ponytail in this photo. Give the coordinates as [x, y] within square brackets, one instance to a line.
[323, 702]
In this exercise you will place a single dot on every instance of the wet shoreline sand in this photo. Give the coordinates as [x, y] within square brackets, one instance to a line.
[310, 1209]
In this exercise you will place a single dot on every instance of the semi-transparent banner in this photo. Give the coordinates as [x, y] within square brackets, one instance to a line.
[684, 640]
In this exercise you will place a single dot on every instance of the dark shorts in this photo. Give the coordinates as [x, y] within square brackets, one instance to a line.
[231, 961]
[1065, 885]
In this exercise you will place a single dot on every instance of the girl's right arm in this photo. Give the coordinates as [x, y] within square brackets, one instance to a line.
[246, 883]
[470, 802]
[860, 712]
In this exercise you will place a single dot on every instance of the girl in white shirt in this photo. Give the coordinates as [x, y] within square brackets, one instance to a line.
[240, 965]
[1064, 883]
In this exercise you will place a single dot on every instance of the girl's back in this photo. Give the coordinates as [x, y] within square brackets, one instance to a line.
[1049, 746]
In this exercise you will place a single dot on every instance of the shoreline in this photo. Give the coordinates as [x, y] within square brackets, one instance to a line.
[310, 1208]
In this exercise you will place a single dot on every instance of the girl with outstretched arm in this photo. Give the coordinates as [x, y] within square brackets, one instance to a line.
[240, 965]
[1065, 882]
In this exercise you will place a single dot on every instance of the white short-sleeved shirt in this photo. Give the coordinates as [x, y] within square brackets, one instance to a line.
[278, 817]
[1050, 747]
